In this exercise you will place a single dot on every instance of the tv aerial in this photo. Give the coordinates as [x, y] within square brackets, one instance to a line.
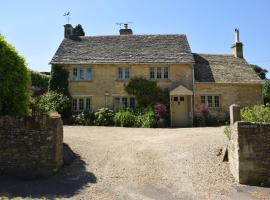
[121, 24]
[67, 15]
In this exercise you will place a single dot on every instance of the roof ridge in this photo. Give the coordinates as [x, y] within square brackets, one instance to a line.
[134, 35]
[213, 54]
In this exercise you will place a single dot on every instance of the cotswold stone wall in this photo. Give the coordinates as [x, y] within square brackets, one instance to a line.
[249, 152]
[30, 147]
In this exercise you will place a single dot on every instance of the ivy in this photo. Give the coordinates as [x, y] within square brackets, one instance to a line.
[146, 92]
[59, 80]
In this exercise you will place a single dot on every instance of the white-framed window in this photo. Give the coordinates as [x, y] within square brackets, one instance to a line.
[124, 102]
[212, 101]
[159, 72]
[85, 73]
[81, 103]
[123, 73]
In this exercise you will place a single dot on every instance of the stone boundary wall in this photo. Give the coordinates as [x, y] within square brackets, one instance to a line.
[249, 150]
[30, 147]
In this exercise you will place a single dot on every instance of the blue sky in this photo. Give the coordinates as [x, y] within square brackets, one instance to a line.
[35, 28]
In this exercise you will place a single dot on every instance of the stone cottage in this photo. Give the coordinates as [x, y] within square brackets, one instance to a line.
[100, 66]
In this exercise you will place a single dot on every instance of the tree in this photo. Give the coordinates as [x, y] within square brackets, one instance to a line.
[260, 71]
[78, 30]
[14, 81]
[266, 91]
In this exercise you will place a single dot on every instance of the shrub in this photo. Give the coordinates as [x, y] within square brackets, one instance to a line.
[257, 113]
[53, 101]
[104, 117]
[160, 110]
[14, 81]
[40, 79]
[124, 118]
[147, 92]
[147, 119]
[211, 120]
[83, 118]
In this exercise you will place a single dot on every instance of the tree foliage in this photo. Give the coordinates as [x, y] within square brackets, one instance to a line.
[40, 79]
[14, 81]
[266, 91]
[78, 30]
[147, 92]
[260, 71]
[59, 80]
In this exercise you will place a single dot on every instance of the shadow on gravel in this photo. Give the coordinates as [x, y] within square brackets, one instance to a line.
[72, 178]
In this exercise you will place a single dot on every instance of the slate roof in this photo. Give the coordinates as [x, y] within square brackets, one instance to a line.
[124, 49]
[221, 68]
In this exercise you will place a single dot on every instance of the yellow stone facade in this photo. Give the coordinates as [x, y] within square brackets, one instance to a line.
[104, 79]
[246, 94]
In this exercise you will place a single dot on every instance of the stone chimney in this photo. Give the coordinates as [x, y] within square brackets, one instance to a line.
[125, 30]
[68, 30]
[237, 47]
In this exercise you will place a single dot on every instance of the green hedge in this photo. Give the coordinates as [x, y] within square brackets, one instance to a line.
[14, 81]
[257, 113]
[40, 79]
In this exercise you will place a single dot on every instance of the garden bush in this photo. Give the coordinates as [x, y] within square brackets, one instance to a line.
[257, 113]
[125, 118]
[52, 101]
[84, 118]
[104, 117]
[14, 81]
[146, 119]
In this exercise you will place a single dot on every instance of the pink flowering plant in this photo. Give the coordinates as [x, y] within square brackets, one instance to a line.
[160, 110]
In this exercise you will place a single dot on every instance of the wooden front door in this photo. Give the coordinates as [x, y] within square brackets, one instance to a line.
[179, 111]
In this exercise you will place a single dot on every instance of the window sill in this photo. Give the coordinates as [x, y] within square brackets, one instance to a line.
[122, 80]
[162, 80]
[81, 81]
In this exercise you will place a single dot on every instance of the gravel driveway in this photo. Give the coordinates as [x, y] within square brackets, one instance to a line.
[140, 164]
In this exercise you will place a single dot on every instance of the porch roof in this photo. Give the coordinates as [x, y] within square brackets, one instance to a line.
[181, 90]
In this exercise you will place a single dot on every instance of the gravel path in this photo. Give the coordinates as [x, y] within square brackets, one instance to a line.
[140, 164]
[159, 164]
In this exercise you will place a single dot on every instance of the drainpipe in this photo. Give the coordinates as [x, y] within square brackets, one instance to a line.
[193, 97]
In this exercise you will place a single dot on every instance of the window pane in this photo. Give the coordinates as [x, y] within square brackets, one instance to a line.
[81, 74]
[120, 73]
[74, 104]
[88, 74]
[87, 104]
[116, 102]
[127, 73]
[202, 99]
[152, 72]
[216, 101]
[132, 102]
[124, 102]
[75, 74]
[209, 101]
[166, 72]
[159, 72]
[81, 104]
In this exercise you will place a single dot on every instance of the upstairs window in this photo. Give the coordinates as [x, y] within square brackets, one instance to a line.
[159, 73]
[211, 101]
[123, 73]
[84, 74]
